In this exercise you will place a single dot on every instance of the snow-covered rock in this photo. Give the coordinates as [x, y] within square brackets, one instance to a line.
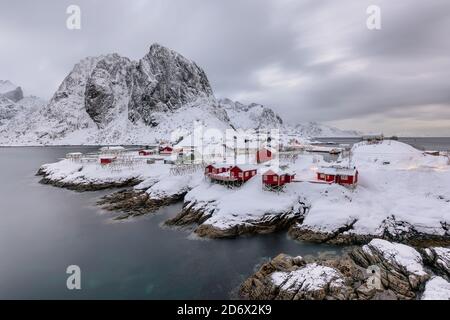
[401, 267]
[438, 259]
[437, 288]
[379, 270]
[92, 176]
[292, 278]
[312, 282]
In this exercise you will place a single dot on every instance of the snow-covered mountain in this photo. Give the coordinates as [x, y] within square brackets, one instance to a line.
[13, 104]
[10, 91]
[252, 116]
[317, 130]
[111, 99]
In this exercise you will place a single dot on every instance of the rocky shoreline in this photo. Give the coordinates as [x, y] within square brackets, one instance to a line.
[379, 270]
[86, 186]
[195, 213]
[133, 203]
[390, 230]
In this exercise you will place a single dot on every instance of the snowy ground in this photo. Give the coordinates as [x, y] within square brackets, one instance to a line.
[413, 188]
[437, 289]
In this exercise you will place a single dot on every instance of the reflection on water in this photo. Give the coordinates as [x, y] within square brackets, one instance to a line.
[44, 229]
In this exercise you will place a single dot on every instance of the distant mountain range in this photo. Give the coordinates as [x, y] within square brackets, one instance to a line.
[113, 100]
[319, 130]
[15, 107]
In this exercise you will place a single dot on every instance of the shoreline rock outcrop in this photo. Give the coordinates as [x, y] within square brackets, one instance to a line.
[379, 270]
[391, 230]
[133, 203]
[195, 213]
[88, 185]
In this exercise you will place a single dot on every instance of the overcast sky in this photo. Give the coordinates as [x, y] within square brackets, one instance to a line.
[310, 60]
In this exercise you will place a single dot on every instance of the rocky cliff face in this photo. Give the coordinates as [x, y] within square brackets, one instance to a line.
[161, 81]
[164, 80]
[110, 87]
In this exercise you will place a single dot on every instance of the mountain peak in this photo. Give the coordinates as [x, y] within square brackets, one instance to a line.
[10, 90]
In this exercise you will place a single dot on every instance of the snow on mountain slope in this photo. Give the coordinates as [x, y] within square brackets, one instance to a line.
[314, 129]
[110, 99]
[252, 116]
[13, 103]
[6, 86]
[10, 91]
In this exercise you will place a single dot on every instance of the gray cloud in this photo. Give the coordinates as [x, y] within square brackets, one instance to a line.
[309, 60]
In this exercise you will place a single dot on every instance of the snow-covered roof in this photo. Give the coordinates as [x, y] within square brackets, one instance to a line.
[337, 170]
[278, 171]
[245, 167]
[220, 165]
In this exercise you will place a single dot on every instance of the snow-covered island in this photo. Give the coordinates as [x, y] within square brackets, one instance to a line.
[401, 195]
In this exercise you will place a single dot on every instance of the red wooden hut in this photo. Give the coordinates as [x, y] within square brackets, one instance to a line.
[338, 174]
[145, 152]
[277, 177]
[243, 172]
[230, 175]
[107, 160]
[165, 150]
[217, 168]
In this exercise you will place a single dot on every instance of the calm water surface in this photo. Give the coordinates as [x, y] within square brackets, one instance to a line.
[44, 229]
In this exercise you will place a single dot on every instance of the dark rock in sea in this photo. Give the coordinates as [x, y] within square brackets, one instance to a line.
[132, 203]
